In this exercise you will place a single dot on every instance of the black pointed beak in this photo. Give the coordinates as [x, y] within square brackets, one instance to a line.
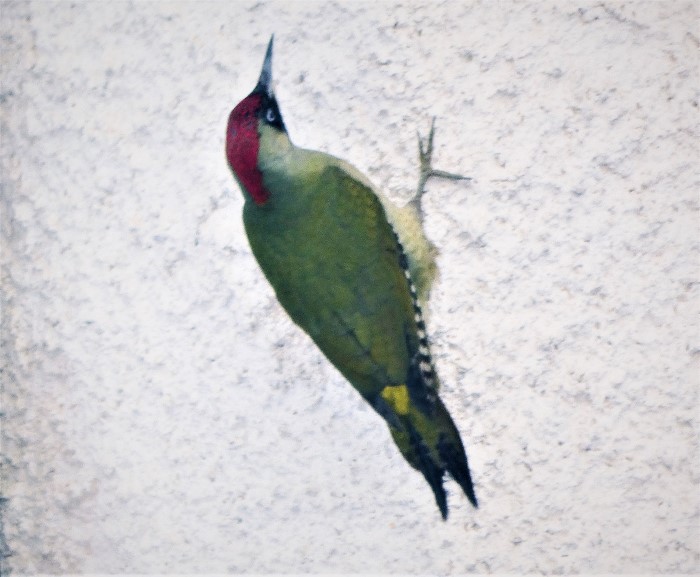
[265, 80]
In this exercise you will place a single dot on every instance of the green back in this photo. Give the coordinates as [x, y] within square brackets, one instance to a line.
[324, 243]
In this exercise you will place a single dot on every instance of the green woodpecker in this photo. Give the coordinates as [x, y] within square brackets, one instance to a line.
[353, 271]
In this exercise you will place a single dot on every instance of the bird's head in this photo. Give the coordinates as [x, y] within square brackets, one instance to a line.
[255, 113]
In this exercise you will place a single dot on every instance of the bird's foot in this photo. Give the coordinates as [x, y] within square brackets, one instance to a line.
[425, 155]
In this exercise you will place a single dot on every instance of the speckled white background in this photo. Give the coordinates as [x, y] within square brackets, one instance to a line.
[161, 414]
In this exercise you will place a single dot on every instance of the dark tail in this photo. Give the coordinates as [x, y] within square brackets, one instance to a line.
[435, 448]
[431, 470]
[452, 453]
[455, 460]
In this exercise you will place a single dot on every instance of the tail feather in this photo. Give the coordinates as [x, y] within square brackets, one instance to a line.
[452, 453]
[432, 472]
[432, 446]
[455, 460]
[428, 439]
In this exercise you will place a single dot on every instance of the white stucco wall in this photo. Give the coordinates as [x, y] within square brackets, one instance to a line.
[161, 413]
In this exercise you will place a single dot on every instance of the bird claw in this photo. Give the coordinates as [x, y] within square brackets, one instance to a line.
[425, 155]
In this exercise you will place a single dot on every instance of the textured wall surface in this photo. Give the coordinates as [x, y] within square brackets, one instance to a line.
[162, 414]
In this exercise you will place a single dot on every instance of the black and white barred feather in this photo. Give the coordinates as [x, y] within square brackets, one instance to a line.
[423, 359]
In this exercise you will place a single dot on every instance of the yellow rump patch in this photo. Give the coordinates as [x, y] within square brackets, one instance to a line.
[397, 397]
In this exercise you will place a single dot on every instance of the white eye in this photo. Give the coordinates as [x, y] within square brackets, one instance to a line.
[270, 115]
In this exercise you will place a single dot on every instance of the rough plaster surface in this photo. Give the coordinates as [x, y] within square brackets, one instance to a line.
[161, 414]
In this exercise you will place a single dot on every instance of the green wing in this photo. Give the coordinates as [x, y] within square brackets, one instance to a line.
[333, 260]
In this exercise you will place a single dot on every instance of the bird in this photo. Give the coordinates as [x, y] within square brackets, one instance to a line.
[354, 271]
